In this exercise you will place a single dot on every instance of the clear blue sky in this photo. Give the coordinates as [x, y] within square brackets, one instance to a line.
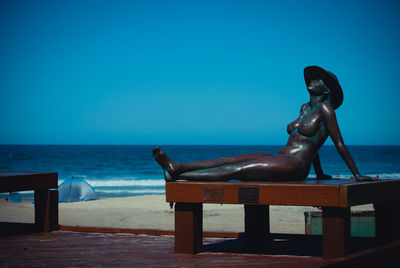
[192, 72]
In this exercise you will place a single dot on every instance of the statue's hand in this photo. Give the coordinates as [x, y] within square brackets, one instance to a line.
[361, 178]
[324, 177]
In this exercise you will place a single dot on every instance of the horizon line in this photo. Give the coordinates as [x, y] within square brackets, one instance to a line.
[82, 144]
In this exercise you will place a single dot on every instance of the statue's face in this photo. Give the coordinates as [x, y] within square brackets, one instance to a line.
[316, 87]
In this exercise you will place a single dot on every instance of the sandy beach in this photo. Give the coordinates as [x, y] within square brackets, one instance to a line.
[152, 212]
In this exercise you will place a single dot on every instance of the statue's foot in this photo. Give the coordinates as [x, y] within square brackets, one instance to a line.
[168, 177]
[169, 166]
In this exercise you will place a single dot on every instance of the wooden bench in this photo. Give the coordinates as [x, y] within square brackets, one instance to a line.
[46, 195]
[335, 196]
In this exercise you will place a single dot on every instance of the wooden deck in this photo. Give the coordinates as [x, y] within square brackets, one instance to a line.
[88, 249]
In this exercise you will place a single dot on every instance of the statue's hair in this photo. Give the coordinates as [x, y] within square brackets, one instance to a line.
[327, 93]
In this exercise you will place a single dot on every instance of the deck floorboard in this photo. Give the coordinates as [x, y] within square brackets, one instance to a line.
[83, 249]
[90, 249]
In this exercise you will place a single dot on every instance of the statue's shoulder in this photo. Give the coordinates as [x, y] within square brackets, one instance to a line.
[326, 106]
[326, 109]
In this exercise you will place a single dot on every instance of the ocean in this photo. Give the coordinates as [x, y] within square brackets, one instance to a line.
[129, 170]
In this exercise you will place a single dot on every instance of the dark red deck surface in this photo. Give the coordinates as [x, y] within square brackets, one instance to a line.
[78, 249]
[86, 249]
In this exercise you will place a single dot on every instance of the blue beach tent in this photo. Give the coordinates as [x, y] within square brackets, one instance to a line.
[74, 190]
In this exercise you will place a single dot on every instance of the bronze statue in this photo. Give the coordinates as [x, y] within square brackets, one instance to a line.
[317, 121]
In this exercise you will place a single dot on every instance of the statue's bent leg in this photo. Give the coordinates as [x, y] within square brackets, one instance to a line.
[268, 168]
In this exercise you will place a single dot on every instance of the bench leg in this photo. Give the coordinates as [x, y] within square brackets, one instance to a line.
[335, 231]
[46, 210]
[387, 222]
[256, 223]
[188, 227]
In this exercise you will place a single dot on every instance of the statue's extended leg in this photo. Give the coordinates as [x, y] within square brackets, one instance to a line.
[174, 169]
[268, 168]
[205, 164]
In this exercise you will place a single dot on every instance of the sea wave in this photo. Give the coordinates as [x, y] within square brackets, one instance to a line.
[381, 175]
[121, 183]
[386, 175]
[144, 191]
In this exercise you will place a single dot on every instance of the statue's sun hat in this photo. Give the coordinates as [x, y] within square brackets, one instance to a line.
[330, 80]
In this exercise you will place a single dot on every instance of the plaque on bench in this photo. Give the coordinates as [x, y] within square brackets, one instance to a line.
[214, 193]
[248, 194]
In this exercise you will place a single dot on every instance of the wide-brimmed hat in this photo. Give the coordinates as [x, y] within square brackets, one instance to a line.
[330, 80]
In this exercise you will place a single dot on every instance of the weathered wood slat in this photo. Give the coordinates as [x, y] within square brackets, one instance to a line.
[269, 193]
[79, 249]
[23, 181]
[141, 231]
[354, 194]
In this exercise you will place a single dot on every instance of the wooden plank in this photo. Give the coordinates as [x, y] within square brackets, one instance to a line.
[382, 256]
[269, 193]
[300, 195]
[175, 192]
[154, 232]
[20, 181]
[115, 230]
[335, 231]
[77, 249]
[369, 192]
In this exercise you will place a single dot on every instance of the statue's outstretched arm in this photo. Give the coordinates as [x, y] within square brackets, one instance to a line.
[318, 170]
[334, 132]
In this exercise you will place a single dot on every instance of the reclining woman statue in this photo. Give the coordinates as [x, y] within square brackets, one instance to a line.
[317, 121]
